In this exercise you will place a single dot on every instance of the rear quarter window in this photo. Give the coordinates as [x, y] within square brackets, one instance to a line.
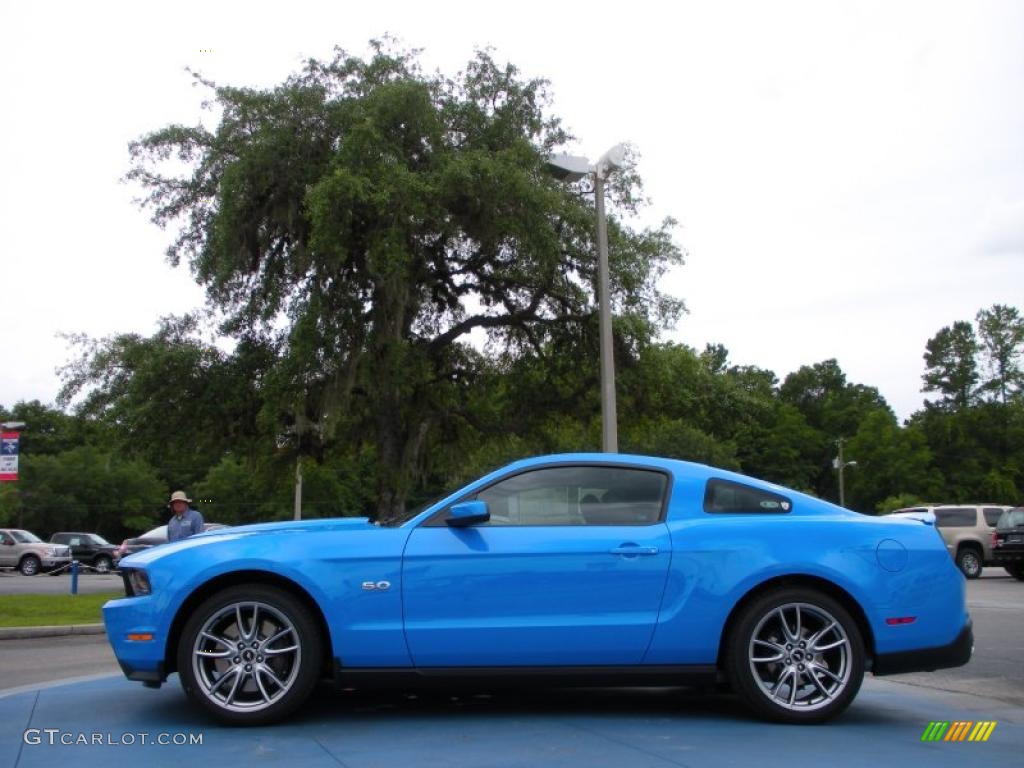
[992, 515]
[724, 496]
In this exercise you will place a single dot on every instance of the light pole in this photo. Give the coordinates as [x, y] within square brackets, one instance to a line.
[839, 464]
[573, 168]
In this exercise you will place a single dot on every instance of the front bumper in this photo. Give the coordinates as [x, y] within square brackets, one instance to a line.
[956, 654]
[49, 563]
[139, 659]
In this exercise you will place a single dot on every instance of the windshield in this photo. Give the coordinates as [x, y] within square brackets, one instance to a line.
[97, 539]
[409, 514]
[25, 537]
[160, 532]
[1012, 518]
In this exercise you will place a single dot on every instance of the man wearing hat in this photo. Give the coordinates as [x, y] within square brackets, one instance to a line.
[185, 521]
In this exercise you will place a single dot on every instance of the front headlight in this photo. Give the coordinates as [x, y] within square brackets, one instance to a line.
[139, 582]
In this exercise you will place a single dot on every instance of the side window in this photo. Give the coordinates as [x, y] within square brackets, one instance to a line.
[75, 541]
[5, 539]
[596, 495]
[727, 496]
[956, 517]
[992, 515]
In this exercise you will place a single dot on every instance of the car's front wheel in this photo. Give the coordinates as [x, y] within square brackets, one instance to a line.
[250, 654]
[1016, 570]
[968, 559]
[102, 564]
[795, 655]
[29, 565]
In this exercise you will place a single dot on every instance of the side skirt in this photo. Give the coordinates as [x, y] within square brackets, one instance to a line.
[526, 677]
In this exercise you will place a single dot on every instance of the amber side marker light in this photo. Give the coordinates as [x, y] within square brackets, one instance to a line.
[140, 637]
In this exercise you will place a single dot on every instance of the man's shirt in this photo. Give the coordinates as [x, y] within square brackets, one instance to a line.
[189, 523]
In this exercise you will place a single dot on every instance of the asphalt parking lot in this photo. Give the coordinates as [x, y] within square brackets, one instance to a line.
[631, 727]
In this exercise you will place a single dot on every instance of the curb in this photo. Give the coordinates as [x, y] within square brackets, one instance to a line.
[19, 633]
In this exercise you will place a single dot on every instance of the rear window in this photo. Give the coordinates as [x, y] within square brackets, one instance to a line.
[1011, 518]
[958, 517]
[727, 496]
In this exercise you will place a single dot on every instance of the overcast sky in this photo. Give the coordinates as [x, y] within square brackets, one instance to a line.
[848, 176]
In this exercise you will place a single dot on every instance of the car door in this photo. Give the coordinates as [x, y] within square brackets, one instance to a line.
[569, 570]
[7, 554]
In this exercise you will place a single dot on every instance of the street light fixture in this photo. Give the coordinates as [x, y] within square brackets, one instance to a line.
[838, 463]
[573, 168]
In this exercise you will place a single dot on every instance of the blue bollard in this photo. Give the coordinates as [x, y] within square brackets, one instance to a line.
[74, 577]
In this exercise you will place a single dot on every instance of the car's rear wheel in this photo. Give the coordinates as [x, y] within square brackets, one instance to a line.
[968, 560]
[29, 565]
[795, 655]
[102, 564]
[1016, 570]
[250, 654]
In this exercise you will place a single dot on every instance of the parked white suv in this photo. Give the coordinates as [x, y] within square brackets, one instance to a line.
[30, 554]
[967, 531]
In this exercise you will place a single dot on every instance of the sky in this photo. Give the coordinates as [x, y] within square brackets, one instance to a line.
[848, 177]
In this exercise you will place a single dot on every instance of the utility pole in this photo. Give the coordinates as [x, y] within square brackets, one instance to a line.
[298, 487]
[842, 495]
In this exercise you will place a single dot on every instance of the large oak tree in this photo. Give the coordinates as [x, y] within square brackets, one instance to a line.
[363, 218]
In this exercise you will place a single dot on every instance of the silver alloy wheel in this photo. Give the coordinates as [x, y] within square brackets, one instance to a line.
[246, 656]
[102, 565]
[800, 657]
[970, 563]
[29, 566]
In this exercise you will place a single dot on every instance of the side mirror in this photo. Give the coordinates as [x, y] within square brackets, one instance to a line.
[468, 513]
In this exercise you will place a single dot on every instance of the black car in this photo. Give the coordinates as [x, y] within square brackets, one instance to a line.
[89, 549]
[1008, 542]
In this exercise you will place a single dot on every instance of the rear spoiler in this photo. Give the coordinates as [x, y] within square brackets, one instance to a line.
[927, 516]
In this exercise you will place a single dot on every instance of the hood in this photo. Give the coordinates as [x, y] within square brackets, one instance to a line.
[146, 556]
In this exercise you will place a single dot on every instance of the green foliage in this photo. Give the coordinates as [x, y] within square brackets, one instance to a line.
[951, 366]
[1001, 329]
[87, 489]
[899, 501]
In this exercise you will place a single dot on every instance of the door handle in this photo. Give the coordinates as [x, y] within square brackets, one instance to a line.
[633, 549]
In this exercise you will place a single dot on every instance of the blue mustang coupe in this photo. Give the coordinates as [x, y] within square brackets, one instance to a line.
[583, 569]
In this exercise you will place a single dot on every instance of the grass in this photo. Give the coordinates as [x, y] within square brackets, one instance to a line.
[48, 610]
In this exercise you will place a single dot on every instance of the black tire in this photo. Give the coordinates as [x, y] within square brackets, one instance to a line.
[29, 565]
[968, 560]
[1016, 570]
[254, 698]
[103, 564]
[820, 684]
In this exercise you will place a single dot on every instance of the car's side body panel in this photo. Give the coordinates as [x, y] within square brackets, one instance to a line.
[432, 597]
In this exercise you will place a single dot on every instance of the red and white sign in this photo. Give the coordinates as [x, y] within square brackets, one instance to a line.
[9, 442]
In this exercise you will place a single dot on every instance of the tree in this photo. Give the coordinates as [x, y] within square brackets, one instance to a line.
[362, 218]
[176, 401]
[832, 408]
[89, 489]
[1001, 329]
[890, 462]
[951, 368]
